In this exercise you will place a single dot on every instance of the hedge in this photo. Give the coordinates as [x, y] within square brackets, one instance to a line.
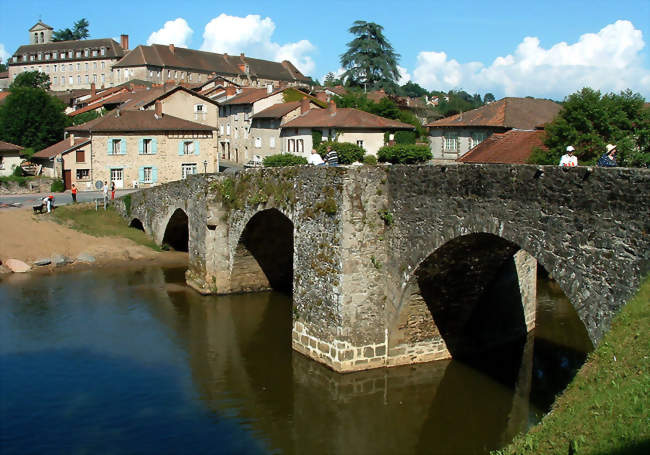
[405, 137]
[284, 159]
[348, 153]
[404, 154]
[369, 159]
[57, 186]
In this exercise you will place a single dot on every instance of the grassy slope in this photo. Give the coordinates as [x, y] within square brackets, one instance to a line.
[100, 223]
[605, 410]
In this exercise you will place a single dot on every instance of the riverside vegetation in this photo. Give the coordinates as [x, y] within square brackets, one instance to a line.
[605, 410]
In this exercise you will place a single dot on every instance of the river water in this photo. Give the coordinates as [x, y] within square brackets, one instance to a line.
[132, 361]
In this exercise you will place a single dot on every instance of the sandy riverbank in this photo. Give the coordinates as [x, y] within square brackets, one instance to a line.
[29, 237]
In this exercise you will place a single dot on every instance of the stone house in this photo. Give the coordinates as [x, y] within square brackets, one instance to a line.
[68, 159]
[160, 63]
[340, 125]
[452, 137]
[141, 148]
[70, 64]
[9, 158]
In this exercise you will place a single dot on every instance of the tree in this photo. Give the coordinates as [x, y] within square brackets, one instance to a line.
[79, 31]
[87, 116]
[3, 67]
[331, 80]
[370, 58]
[33, 79]
[589, 121]
[488, 98]
[411, 89]
[32, 118]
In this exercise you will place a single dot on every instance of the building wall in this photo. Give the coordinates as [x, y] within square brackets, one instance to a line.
[182, 105]
[70, 163]
[166, 161]
[464, 141]
[82, 72]
[372, 139]
[8, 161]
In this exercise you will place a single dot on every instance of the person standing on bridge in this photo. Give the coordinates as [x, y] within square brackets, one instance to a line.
[569, 159]
[331, 158]
[609, 157]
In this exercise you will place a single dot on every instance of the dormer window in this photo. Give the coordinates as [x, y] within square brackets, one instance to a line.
[87, 52]
[54, 55]
[47, 56]
[69, 54]
[78, 54]
[40, 56]
[103, 51]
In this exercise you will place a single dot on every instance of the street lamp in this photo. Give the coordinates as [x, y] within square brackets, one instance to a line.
[205, 166]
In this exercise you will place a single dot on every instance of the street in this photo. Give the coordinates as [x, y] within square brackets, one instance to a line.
[59, 198]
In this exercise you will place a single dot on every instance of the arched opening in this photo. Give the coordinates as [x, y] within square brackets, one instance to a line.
[264, 255]
[177, 233]
[136, 224]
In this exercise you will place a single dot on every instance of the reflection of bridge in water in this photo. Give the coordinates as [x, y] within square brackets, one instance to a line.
[395, 265]
[238, 348]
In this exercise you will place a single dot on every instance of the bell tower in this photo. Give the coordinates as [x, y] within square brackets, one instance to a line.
[40, 33]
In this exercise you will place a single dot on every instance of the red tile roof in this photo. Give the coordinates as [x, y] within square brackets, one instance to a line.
[9, 147]
[136, 120]
[520, 113]
[145, 98]
[250, 95]
[61, 147]
[278, 110]
[344, 118]
[511, 147]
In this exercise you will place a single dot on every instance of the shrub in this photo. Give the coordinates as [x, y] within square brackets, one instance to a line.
[57, 186]
[405, 137]
[284, 159]
[348, 153]
[18, 171]
[369, 159]
[316, 137]
[404, 154]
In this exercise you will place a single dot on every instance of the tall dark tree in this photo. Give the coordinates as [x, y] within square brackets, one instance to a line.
[370, 58]
[33, 79]
[3, 67]
[32, 118]
[79, 31]
[412, 90]
[488, 98]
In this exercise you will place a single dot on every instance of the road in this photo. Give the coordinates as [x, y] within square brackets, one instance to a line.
[59, 198]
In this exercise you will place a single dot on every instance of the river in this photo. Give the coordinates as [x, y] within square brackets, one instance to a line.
[131, 361]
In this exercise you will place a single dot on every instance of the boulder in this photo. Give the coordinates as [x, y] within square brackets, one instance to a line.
[44, 261]
[17, 266]
[85, 257]
[59, 260]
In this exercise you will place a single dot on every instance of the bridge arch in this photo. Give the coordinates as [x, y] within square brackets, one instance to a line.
[137, 224]
[177, 231]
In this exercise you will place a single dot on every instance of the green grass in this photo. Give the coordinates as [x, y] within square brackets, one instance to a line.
[605, 409]
[100, 223]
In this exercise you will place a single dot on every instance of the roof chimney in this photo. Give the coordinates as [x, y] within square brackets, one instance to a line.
[305, 105]
[124, 42]
[269, 88]
[93, 89]
[158, 112]
[71, 136]
[322, 96]
[331, 109]
[171, 48]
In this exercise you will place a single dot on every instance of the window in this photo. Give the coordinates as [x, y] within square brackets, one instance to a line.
[81, 156]
[87, 79]
[451, 142]
[86, 53]
[300, 146]
[103, 78]
[78, 66]
[70, 56]
[187, 169]
[54, 68]
[236, 133]
[55, 80]
[103, 65]
[126, 73]
[291, 145]
[228, 130]
[117, 176]
[47, 56]
[360, 143]
[40, 56]
[258, 142]
[476, 139]
[63, 68]
[78, 79]
[221, 130]
[200, 112]
[169, 74]
[55, 55]
[119, 75]
[188, 148]
[103, 51]
[83, 174]
[94, 78]
[146, 147]
[78, 54]
[272, 142]
[115, 149]
[147, 175]
[86, 66]
[70, 80]
[70, 67]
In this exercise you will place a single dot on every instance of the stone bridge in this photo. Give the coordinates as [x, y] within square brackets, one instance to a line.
[392, 265]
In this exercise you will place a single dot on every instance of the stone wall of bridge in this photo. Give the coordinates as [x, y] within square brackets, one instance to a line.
[391, 265]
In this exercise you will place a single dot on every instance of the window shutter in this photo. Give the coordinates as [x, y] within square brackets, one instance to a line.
[180, 148]
[123, 146]
[140, 146]
[154, 174]
[110, 145]
[141, 174]
[197, 151]
[154, 145]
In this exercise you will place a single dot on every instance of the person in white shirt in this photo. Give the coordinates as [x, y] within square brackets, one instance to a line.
[315, 158]
[569, 159]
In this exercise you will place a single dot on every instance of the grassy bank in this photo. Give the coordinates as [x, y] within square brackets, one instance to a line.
[605, 410]
[100, 223]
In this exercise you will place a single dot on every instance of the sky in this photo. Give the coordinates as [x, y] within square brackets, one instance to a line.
[544, 49]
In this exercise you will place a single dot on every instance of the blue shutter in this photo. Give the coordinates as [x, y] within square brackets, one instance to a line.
[140, 146]
[154, 146]
[141, 174]
[180, 148]
[123, 146]
[197, 151]
[154, 174]
[110, 145]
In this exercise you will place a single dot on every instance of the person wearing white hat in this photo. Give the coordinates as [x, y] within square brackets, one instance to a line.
[569, 159]
[609, 157]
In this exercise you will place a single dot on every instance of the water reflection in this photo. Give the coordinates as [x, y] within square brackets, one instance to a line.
[133, 361]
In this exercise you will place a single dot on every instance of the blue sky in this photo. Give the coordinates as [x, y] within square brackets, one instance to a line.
[507, 48]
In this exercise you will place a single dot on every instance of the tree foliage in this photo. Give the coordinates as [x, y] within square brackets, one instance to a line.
[87, 116]
[31, 118]
[412, 89]
[347, 152]
[370, 58]
[457, 101]
[589, 121]
[33, 79]
[282, 160]
[79, 31]
[3, 67]
[404, 154]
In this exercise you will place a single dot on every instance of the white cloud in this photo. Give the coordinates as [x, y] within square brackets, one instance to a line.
[609, 60]
[404, 75]
[252, 36]
[175, 32]
[4, 55]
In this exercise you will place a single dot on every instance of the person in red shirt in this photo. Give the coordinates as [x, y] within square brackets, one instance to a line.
[74, 193]
[112, 191]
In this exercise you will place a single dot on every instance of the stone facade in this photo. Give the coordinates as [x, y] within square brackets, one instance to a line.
[451, 143]
[393, 264]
